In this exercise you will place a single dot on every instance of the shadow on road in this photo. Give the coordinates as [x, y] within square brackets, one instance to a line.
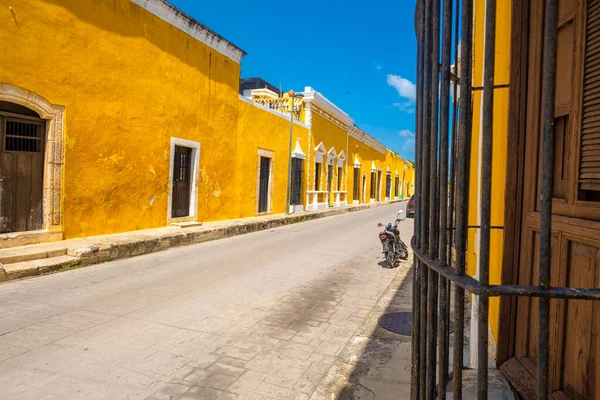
[376, 363]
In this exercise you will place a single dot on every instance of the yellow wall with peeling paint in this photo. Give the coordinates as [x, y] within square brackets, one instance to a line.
[129, 82]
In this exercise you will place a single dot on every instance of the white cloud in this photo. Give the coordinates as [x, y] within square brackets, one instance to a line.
[405, 88]
[406, 133]
[407, 106]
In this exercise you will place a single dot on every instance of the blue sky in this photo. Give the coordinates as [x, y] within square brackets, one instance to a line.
[360, 55]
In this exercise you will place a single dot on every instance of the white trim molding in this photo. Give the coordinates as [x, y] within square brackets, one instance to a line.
[54, 153]
[331, 154]
[365, 138]
[172, 15]
[356, 162]
[194, 167]
[298, 153]
[314, 204]
[311, 96]
[319, 153]
[341, 159]
[271, 155]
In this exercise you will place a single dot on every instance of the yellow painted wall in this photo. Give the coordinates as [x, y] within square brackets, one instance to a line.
[500, 133]
[397, 166]
[332, 135]
[366, 155]
[129, 81]
[258, 128]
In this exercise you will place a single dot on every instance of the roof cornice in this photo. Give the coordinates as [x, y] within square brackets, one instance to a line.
[174, 16]
[311, 97]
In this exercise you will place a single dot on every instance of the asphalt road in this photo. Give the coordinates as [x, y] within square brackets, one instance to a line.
[256, 316]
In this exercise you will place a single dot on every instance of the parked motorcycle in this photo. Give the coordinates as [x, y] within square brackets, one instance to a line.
[393, 247]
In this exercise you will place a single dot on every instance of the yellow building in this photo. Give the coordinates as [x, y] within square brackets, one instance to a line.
[127, 115]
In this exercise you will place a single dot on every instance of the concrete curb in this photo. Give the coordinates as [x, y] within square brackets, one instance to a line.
[89, 251]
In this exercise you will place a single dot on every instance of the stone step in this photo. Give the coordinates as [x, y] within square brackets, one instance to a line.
[23, 254]
[185, 224]
[38, 267]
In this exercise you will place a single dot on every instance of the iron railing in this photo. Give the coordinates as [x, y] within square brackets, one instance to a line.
[441, 222]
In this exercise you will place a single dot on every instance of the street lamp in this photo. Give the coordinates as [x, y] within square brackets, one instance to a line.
[292, 96]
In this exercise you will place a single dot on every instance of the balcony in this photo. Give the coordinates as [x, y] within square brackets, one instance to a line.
[281, 105]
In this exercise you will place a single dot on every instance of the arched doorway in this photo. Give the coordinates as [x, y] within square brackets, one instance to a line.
[31, 154]
[22, 143]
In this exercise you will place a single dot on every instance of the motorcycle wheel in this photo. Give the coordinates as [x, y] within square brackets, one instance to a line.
[403, 253]
[389, 257]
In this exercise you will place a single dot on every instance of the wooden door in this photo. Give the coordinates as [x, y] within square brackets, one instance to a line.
[373, 184]
[574, 325]
[364, 188]
[21, 172]
[263, 188]
[181, 182]
[296, 188]
[378, 194]
[388, 185]
[329, 186]
[356, 191]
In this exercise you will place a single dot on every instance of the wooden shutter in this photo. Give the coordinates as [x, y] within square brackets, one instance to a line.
[589, 171]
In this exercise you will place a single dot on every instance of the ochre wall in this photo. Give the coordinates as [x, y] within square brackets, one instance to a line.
[366, 155]
[129, 82]
[261, 129]
[332, 135]
[500, 134]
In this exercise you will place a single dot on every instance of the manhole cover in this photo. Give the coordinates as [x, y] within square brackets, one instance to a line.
[398, 322]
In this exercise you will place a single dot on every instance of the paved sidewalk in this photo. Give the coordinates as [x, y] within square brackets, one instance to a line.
[43, 258]
[375, 364]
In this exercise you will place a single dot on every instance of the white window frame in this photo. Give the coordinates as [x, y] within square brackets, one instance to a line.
[270, 154]
[194, 165]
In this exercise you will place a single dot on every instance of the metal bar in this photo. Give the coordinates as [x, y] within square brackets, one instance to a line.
[549, 85]
[432, 286]
[480, 88]
[425, 150]
[486, 197]
[462, 191]
[472, 285]
[443, 191]
[416, 305]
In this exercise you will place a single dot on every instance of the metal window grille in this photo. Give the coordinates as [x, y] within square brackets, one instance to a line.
[356, 191]
[442, 194]
[297, 167]
[373, 184]
[317, 176]
[23, 136]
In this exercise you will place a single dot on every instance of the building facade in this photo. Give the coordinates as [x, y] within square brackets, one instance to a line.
[127, 115]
